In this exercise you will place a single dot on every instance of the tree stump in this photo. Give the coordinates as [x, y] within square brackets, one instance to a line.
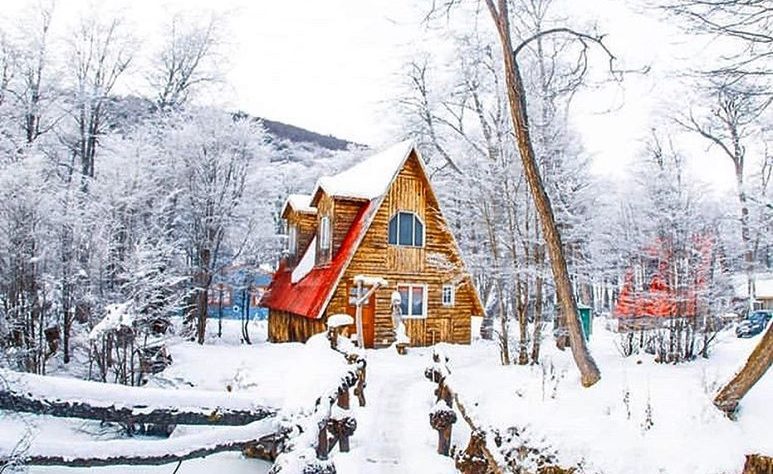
[442, 418]
[758, 464]
[473, 460]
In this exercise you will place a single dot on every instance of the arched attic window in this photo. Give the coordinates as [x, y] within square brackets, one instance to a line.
[405, 228]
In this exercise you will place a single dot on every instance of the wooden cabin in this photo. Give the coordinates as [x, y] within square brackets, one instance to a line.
[379, 219]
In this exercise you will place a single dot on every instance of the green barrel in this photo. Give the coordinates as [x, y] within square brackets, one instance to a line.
[586, 320]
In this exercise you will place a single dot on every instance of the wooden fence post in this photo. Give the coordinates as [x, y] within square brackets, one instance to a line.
[359, 389]
[473, 459]
[323, 446]
[343, 396]
[441, 418]
[341, 430]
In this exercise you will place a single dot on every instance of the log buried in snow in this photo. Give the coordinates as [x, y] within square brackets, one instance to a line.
[56, 396]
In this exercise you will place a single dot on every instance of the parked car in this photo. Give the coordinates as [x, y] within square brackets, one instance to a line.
[754, 324]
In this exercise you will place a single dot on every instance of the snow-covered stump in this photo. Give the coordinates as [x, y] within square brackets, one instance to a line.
[442, 418]
[335, 323]
[758, 464]
[473, 459]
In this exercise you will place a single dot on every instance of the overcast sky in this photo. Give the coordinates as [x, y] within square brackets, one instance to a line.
[334, 66]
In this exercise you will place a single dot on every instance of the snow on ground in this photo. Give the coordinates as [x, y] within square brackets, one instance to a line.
[393, 432]
[290, 375]
[605, 426]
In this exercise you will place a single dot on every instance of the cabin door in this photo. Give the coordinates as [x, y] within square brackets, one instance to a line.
[368, 316]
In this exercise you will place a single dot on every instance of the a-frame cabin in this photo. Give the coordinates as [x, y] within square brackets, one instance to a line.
[378, 219]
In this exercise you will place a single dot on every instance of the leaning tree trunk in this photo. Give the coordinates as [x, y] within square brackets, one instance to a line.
[589, 372]
[758, 363]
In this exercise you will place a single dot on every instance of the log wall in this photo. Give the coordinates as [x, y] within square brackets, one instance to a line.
[288, 327]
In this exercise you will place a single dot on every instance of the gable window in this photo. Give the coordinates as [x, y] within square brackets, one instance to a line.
[292, 235]
[324, 233]
[405, 228]
[413, 301]
[448, 295]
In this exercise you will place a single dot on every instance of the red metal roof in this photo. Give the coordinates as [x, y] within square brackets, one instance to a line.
[659, 299]
[309, 296]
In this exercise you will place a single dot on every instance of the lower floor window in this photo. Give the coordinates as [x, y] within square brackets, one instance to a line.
[412, 301]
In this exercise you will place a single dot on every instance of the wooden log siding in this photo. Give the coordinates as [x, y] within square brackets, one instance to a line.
[288, 327]
[443, 323]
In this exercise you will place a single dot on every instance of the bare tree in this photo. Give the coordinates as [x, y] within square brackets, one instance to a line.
[187, 61]
[100, 53]
[590, 373]
[746, 24]
[212, 153]
[727, 127]
[34, 71]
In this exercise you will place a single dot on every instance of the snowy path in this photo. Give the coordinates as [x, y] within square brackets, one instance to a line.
[393, 433]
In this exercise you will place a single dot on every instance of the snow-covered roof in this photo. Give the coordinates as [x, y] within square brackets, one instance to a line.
[300, 203]
[370, 178]
[763, 286]
[307, 262]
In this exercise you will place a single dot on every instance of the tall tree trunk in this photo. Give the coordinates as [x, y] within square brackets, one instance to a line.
[523, 321]
[539, 260]
[590, 373]
[758, 363]
[746, 235]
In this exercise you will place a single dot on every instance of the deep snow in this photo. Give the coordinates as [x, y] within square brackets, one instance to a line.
[604, 427]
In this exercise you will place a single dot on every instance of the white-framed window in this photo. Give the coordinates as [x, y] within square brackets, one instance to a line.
[448, 295]
[324, 233]
[406, 229]
[292, 235]
[413, 300]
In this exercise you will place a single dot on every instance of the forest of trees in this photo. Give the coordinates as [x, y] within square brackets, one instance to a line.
[458, 104]
[108, 199]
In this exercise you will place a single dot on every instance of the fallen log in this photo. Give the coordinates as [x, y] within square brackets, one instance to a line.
[62, 397]
[146, 452]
